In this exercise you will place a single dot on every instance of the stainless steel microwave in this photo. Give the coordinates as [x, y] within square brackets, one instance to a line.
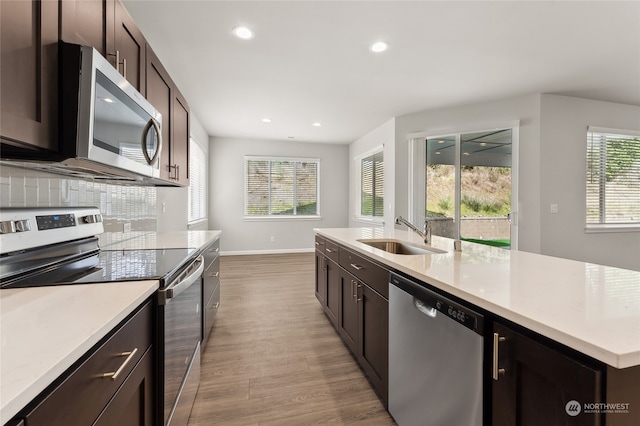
[106, 126]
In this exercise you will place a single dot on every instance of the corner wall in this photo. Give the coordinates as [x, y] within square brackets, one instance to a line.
[563, 139]
[226, 196]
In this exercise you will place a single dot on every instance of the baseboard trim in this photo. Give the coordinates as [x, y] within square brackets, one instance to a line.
[281, 251]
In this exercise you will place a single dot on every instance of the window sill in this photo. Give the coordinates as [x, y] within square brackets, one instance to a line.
[369, 220]
[279, 218]
[600, 229]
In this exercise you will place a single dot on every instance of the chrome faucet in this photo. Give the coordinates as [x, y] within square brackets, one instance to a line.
[425, 234]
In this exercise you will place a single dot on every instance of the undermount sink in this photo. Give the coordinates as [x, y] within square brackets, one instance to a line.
[400, 247]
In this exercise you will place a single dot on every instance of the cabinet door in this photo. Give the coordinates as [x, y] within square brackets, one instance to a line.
[133, 402]
[333, 291]
[159, 86]
[179, 155]
[348, 324]
[130, 47]
[321, 278]
[29, 74]
[85, 22]
[538, 383]
[374, 339]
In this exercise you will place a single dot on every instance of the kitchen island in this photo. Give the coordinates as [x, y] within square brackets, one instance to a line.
[591, 312]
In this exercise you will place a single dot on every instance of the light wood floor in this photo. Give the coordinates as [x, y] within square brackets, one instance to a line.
[273, 358]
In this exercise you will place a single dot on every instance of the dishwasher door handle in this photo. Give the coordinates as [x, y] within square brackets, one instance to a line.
[424, 308]
[176, 288]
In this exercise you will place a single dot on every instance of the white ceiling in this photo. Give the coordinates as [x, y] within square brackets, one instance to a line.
[309, 60]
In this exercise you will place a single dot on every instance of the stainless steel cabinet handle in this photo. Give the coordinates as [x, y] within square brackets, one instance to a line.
[357, 267]
[114, 374]
[354, 296]
[216, 275]
[330, 250]
[317, 243]
[217, 305]
[124, 67]
[358, 299]
[497, 371]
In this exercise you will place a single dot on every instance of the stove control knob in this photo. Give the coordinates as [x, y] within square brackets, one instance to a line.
[7, 226]
[23, 225]
[92, 218]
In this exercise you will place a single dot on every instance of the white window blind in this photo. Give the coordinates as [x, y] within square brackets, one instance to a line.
[613, 177]
[372, 185]
[197, 182]
[281, 187]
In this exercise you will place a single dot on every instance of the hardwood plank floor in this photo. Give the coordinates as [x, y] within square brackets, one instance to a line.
[273, 357]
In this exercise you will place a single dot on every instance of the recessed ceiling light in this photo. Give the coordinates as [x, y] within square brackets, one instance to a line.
[316, 124]
[243, 32]
[379, 46]
[266, 120]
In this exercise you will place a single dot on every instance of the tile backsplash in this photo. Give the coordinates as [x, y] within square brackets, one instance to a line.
[118, 203]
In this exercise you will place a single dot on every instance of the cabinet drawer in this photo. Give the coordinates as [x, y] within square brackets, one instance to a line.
[370, 273]
[320, 243]
[331, 250]
[82, 396]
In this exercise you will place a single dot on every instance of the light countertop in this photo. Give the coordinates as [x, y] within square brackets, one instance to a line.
[591, 308]
[44, 330]
[157, 240]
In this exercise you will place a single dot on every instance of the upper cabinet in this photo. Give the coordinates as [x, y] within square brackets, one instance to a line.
[106, 26]
[29, 75]
[166, 98]
[29, 37]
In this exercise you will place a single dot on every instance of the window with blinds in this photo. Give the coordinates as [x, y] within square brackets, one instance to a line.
[197, 182]
[613, 177]
[372, 185]
[281, 187]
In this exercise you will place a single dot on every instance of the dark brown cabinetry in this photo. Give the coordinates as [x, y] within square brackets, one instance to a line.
[211, 290]
[106, 26]
[113, 385]
[167, 99]
[533, 383]
[353, 293]
[328, 278]
[29, 75]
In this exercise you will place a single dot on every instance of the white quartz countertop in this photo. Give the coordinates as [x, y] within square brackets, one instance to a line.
[157, 240]
[591, 308]
[44, 330]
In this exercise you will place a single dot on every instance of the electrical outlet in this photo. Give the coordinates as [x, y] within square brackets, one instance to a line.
[273, 238]
[554, 208]
[126, 227]
[164, 207]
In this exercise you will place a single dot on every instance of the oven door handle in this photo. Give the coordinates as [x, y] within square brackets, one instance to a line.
[178, 286]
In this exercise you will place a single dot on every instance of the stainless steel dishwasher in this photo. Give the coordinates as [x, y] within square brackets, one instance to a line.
[435, 358]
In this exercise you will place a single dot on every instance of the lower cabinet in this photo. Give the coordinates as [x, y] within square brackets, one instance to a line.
[114, 385]
[357, 310]
[534, 384]
[210, 290]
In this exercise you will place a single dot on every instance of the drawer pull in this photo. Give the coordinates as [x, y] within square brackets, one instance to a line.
[216, 275]
[357, 267]
[114, 374]
[217, 305]
[330, 250]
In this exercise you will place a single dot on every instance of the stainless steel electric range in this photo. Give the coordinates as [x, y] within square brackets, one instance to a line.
[59, 246]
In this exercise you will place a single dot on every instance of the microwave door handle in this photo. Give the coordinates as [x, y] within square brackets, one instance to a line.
[174, 289]
[151, 123]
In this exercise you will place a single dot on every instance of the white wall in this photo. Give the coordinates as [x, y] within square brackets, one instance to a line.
[382, 135]
[226, 196]
[563, 135]
[484, 116]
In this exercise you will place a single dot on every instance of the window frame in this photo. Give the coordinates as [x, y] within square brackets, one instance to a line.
[279, 217]
[203, 188]
[358, 186]
[605, 227]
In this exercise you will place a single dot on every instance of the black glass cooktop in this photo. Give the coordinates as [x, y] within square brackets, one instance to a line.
[108, 266]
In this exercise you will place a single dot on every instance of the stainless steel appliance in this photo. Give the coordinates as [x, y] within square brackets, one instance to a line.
[59, 246]
[435, 358]
[107, 129]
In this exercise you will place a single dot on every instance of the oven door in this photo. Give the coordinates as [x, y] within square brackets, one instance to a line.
[180, 332]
